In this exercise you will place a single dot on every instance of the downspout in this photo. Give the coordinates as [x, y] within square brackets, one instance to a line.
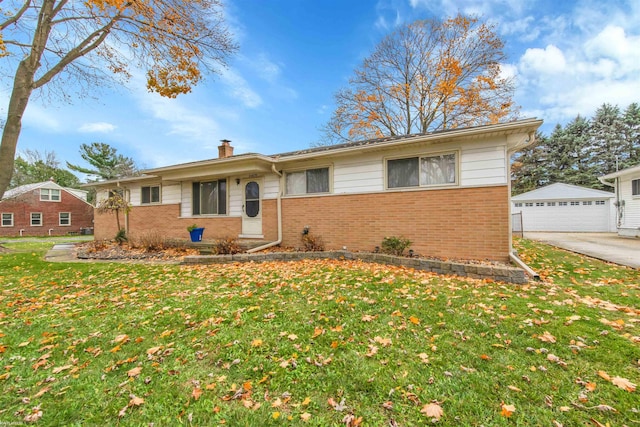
[278, 213]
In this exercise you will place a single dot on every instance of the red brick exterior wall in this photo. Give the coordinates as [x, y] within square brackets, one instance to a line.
[467, 223]
[165, 219]
[23, 205]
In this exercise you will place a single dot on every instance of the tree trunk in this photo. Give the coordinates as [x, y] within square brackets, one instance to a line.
[22, 89]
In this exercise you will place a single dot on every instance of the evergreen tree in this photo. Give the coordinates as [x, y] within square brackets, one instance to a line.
[528, 170]
[631, 136]
[607, 140]
[106, 163]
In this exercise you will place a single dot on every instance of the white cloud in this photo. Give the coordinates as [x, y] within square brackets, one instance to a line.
[96, 127]
[267, 69]
[38, 117]
[549, 60]
[238, 88]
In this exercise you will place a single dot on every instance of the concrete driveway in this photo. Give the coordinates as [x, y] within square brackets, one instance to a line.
[605, 246]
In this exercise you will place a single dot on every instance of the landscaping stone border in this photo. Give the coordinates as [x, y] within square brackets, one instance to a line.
[499, 273]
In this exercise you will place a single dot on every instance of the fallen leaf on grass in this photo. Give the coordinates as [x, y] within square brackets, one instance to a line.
[547, 337]
[134, 372]
[514, 388]
[432, 410]
[34, 416]
[196, 393]
[135, 401]
[385, 342]
[507, 410]
[59, 369]
[305, 417]
[624, 384]
[256, 343]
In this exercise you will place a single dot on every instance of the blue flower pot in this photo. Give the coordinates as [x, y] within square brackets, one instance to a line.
[196, 234]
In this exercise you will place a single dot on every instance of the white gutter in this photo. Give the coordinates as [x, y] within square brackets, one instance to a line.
[279, 214]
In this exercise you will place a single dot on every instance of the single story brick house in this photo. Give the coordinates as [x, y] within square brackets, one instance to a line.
[44, 209]
[447, 191]
[626, 184]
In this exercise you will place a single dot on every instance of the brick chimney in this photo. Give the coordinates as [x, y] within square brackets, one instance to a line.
[225, 149]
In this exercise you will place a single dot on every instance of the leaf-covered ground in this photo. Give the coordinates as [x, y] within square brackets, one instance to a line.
[316, 343]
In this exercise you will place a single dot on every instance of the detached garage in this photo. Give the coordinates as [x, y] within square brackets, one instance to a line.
[564, 207]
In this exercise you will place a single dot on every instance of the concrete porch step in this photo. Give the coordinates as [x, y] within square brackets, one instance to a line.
[206, 247]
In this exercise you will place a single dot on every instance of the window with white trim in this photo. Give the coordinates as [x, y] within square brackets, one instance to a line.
[36, 219]
[64, 218]
[518, 204]
[635, 187]
[423, 171]
[551, 203]
[49, 195]
[600, 202]
[562, 203]
[528, 204]
[310, 181]
[587, 203]
[150, 194]
[7, 219]
[210, 197]
[575, 203]
[539, 204]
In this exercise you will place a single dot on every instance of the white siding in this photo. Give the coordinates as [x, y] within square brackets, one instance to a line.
[235, 198]
[187, 189]
[134, 194]
[271, 186]
[362, 175]
[631, 217]
[171, 194]
[483, 165]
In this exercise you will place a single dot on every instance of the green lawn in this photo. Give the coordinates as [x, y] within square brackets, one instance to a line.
[316, 343]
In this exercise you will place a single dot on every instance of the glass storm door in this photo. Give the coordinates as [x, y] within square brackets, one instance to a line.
[251, 208]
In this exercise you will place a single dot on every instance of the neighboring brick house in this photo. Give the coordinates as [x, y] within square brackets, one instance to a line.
[447, 191]
[44, 209]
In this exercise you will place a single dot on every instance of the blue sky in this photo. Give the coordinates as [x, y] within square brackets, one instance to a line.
[568, 57]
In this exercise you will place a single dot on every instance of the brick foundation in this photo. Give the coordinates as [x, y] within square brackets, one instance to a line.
[463, 223]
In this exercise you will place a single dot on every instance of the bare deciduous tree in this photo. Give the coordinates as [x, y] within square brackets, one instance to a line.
[173, 40]
[425, 76]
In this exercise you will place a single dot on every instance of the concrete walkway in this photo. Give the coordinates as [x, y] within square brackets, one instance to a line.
[605, 246]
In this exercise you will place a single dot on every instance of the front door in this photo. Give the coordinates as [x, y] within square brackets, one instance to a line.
[252, 208]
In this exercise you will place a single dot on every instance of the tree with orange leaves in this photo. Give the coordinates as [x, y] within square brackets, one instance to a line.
[425, 76]
[87, 42]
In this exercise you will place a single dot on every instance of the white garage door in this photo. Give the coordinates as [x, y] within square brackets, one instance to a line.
[580, 215]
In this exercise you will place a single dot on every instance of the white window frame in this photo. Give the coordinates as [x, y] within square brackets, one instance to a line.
[60, 219]
[329, 169]
[10, 217]
[518, 204]
[151, 201]
[562, 203]
[600, 202]
[587, 203]
[31, 219]
[551, 203]
[539, 204]
[575, 203]
[49, 195]
[528, 205]
[420, 156]
[635, 192]
[199, 209]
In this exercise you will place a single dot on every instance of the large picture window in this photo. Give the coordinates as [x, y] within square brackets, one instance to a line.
[49, 195]
[422, 171]
[309, 181]
[210, 197]
[150, 195]
[635, 187]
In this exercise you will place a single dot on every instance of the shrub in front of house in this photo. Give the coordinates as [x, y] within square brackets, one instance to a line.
[395, 245]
